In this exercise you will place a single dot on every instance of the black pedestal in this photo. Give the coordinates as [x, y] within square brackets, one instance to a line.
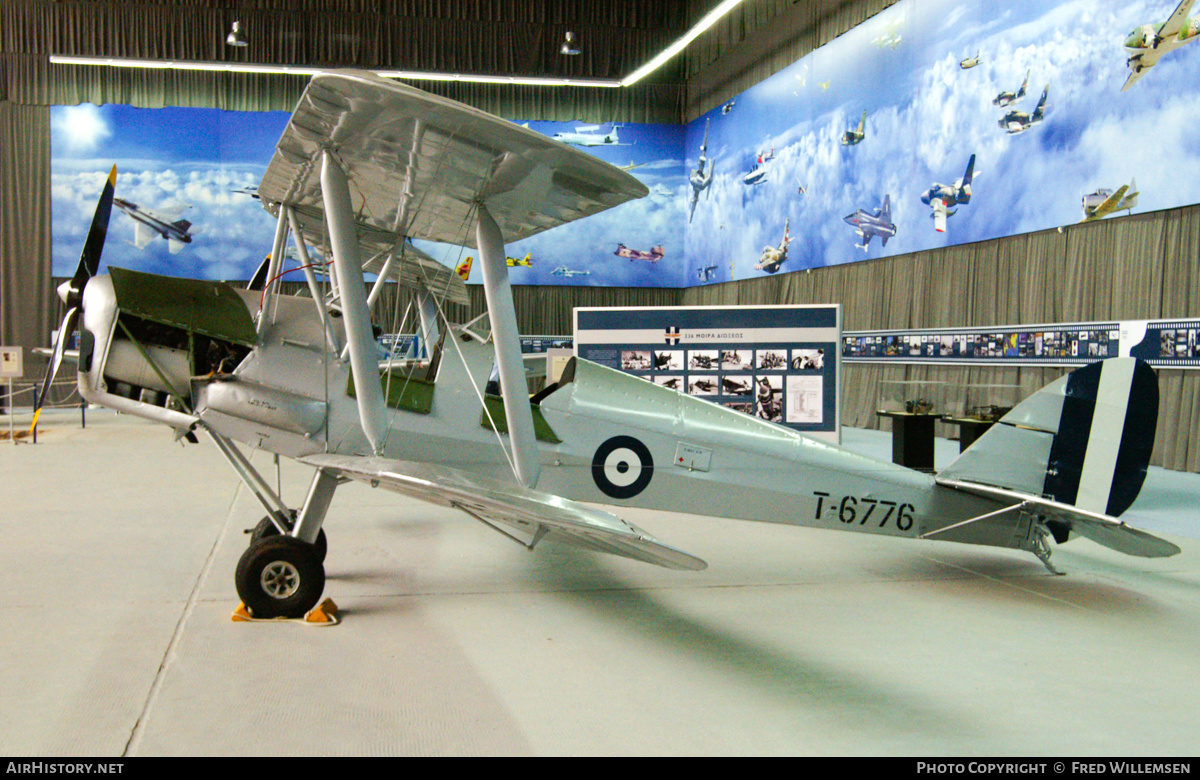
[969, 429]
[912, 439]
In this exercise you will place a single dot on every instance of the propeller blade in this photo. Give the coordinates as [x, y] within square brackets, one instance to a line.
[89, 259]
[64, 332]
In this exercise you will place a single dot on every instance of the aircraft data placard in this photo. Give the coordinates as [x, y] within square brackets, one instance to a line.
[777, 363]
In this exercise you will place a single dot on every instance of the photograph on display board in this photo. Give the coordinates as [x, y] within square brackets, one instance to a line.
[704, 359]
[672, 381]
[736, 359]
[808, 359]
[737, 384]
[703, 385]
[635, 360]
[768, 401]
[771, 359]
[668, 360]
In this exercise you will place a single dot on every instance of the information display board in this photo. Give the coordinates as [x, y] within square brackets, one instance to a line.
[1161, 343]
[778, 363]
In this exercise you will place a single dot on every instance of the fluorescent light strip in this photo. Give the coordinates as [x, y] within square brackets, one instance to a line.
[297, 70]
[679, 45]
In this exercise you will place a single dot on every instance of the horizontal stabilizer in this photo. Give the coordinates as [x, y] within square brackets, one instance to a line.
[1100, 528]
[527, 515]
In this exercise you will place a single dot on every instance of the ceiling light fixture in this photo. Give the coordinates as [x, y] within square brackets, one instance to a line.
[237, 37]
[537, 81]
[569, 46]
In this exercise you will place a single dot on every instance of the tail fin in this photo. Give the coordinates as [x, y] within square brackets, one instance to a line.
[1040, 111]
[1084, 440]
[885, 212]
[464, 268]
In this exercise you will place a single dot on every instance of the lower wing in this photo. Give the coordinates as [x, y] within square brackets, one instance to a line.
[525, 515]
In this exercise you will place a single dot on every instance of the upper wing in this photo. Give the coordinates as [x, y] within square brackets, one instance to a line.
[419, 164]
[529, 513]
[1100, 528]
[1176, 20]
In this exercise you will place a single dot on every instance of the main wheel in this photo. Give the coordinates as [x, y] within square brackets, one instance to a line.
[266, 529]
[280, 576]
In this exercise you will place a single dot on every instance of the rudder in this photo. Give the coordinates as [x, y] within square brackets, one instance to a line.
[1083, 440]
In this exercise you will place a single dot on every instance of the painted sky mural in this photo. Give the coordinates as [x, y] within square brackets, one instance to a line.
[928, 74]
[926, 114]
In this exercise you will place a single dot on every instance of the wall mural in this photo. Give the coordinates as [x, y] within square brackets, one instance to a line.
[936, 122]
[943, 122]
[187, 180]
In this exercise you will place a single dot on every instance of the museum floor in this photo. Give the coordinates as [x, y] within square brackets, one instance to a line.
[117, 576]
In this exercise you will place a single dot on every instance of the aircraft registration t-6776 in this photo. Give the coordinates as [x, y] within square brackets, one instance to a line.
[365, 164]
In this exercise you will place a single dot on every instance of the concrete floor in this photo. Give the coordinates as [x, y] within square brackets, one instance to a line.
[117, 567]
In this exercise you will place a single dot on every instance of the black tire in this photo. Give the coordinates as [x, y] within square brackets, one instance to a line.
[280, 577]
[266, 529]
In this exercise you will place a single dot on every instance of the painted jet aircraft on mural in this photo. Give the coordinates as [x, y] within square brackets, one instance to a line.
[1006, 99]
[773, 257]
[586, 135]
[762, 167]
[164, 223]
[855, 135]
[283, 374]
[868, 224]
[653, 256]
[1019, 121]
[1102, 202]
[1149, 43]
[940, 197]
[701, 178]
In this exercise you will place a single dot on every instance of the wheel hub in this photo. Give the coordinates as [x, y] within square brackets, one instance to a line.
[280, 579]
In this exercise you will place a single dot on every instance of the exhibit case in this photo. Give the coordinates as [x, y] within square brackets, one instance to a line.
[912, 397]
[981, 402]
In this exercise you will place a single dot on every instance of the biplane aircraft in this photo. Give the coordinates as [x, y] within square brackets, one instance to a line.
[366, 164]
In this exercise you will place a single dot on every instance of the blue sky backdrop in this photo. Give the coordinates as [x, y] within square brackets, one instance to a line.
[925, 117]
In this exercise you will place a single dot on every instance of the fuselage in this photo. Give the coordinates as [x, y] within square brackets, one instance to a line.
[290, 394]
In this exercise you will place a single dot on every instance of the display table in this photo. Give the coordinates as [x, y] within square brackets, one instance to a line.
[912, 439]
[969, 429]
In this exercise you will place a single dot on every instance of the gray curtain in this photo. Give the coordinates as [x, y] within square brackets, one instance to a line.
[1139, 267]
[25, 289]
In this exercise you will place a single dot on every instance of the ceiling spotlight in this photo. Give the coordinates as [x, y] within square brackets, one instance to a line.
[236, 36]
[569, 45]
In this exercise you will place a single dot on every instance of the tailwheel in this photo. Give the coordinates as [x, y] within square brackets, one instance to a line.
[280, 576]
[266, 529]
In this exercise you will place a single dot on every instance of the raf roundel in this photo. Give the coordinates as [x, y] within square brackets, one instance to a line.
[622, 467]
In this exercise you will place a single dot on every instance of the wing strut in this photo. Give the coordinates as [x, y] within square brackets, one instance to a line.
[339, 215]
[498, 291]
[311, 278]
